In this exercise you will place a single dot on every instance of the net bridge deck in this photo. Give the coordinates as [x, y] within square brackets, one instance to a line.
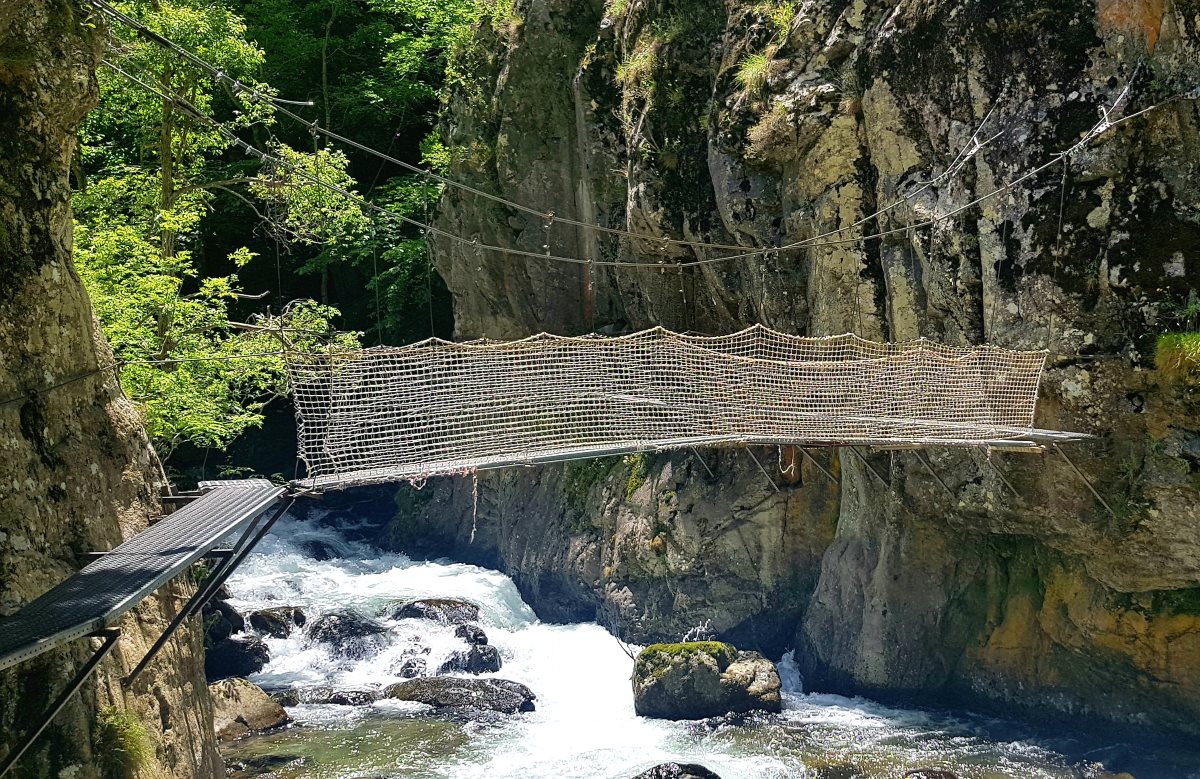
[100, 593]
[438, 407]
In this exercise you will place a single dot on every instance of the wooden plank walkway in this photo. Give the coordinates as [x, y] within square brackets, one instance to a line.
[99, 594]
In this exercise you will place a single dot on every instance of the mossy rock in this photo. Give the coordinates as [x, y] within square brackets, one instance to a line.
[698, 679]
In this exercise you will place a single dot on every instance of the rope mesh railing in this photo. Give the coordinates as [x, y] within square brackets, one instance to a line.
[437, 407]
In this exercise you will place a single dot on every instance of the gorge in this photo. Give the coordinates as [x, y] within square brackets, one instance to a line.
[973, 581]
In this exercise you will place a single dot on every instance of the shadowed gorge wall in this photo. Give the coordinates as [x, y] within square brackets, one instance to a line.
[77, 472]
[761, 124]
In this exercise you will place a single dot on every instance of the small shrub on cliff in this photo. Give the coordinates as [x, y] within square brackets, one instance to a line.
[1177, 356]
[121, 743]
[780, 15]
[773, 140]
[752, 73]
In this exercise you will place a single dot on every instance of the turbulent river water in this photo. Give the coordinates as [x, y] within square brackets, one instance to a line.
[584, 725]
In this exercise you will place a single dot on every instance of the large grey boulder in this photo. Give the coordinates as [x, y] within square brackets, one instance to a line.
[479, 659]
[240, 707]
[348, 633]
[446, 611]
[699, 679]
[237, 656]
[465, 696]
[278, 622]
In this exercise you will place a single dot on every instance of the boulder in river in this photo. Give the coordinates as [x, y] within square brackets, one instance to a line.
[220, 622]
[411, 668]
[236, 656]
[465, 695]
[472, 634]
[479, 659]
[348, 633]
[277, 622]
[240, 707]
[329, 695]
[677, 771]
[446, 611]
[699, 679]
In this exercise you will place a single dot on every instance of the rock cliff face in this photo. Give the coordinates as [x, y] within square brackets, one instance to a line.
[765, 123]
[77, 471]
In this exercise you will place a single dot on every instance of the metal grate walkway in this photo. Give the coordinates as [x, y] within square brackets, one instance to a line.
[97, 596]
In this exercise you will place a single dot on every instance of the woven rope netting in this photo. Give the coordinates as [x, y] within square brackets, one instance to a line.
[437, 407]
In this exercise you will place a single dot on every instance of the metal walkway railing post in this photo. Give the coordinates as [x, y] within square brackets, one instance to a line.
[110, 636]
[208, 589]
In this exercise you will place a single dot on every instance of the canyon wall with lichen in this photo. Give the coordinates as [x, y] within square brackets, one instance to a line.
[1000, 580]
[77, 473]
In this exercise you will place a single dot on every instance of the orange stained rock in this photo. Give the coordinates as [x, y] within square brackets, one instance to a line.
[1135, 18]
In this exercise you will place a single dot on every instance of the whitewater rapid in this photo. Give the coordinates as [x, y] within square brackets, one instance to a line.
[584, 725]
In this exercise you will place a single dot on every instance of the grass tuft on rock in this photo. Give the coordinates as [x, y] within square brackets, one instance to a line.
[1177, 356]
[121, 743]
[752, 73]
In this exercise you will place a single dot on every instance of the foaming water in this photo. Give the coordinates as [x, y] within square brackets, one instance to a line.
[584, 724]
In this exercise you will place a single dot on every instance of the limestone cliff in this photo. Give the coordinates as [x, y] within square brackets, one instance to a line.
[765, 123]
[76, 470]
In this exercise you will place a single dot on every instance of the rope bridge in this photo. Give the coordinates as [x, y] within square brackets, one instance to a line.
[437, 407]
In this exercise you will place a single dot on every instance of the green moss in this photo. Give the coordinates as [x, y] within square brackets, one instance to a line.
[1178, 602]
[1160, 603]
[121, 743]
[639, 467]
[1177, 356]
[581, 476]
[656, 659]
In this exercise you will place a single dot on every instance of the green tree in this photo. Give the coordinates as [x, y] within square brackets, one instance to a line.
[149, 173]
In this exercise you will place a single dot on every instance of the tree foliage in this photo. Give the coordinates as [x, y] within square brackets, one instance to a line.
[150, 171]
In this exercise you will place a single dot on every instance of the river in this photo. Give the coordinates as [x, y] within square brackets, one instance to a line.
[584, 724]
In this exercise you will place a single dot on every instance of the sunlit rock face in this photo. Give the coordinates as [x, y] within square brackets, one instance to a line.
[712, 122]
[76, 470]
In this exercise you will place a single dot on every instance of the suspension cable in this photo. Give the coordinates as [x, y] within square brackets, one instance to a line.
[974, 146]
[1105, 125]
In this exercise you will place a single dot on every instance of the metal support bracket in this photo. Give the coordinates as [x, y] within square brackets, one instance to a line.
[929, 467]
[1086, 482]
[1003, 478]
[819, 467]
[761, 468]
[110, 636]
[205, 592]
[870, 467]
[696, 454]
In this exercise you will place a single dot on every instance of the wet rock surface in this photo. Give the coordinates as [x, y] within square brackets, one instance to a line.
[240, 708]
[465, 697]
[278, 622]
[239, 656]
[329, 695]
[445, 611]
[348, 633]
[476, 660]
[472, 634]
[702, 679]
[220, 621]
[677, 771]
